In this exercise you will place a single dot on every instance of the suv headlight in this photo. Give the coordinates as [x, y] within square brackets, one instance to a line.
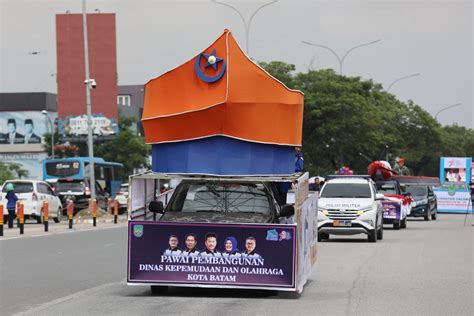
[363, 210]
[422, 202]
[324, 211]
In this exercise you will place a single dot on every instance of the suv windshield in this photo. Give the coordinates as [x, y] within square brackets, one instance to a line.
[387, 188]
[346, 190]
[20, 187]
[124, 189]
[221, 197]
[69, 186]
[417, 190]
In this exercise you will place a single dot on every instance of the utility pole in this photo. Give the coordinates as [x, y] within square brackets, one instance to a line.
[87, 82]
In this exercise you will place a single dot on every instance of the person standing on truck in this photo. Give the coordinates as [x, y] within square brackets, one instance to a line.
[173, 249]
[400, 167]
[299, 162]
[11, 204]
[191, 242]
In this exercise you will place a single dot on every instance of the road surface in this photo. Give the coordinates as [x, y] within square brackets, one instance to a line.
[424, 270]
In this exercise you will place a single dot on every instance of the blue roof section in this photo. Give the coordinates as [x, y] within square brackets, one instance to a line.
[220, 155]
[83, 159]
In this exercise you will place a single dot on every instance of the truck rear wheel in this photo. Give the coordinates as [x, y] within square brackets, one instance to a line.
[158, 289]
[396, 225]
[403, 223]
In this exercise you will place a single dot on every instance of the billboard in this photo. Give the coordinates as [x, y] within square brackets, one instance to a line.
[222, 255]
[77, 125]
[24, 127]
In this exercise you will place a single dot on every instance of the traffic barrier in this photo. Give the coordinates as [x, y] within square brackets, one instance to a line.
[115, 211]
[109, 206]
[70, 212]
[1, 219]
[45, 215]
[94, 212]
[21, 217]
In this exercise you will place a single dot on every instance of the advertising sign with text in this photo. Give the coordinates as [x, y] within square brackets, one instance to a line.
[220, 255]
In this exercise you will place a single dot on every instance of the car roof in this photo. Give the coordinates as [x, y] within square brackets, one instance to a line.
[348, 180]
[26, 181]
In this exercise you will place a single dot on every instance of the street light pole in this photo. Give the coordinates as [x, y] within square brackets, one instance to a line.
[246, 24]
[341, 59]
[401, 78]
[446, 108]
[45, 113]
[87, 82]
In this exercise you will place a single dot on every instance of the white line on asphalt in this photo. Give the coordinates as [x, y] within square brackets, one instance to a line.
[59, 233]
[44, 306]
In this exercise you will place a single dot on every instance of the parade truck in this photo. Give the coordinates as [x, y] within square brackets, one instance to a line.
[223, 219]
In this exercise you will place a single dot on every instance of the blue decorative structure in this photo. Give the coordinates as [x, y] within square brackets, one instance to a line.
[220, 155]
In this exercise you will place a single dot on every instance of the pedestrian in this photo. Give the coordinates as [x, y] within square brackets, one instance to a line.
[400, 167]
[299, 162]
[11, 204]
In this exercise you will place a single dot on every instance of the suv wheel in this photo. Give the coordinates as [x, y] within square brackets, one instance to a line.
[396, 225]
[380, 233]
[427, 215]
[434, 216]
[322, 236]
[59, 215]
[39, 218]
[372, 235]
[403, 223]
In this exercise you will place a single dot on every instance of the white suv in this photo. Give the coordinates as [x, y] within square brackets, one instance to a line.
[349, 205]
[33, 193]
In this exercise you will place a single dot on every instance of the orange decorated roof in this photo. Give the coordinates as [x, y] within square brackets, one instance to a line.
[222, 92]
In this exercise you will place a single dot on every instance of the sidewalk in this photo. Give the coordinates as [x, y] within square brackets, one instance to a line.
[32, 229]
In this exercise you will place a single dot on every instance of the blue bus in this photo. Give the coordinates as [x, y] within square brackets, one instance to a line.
[108, 174]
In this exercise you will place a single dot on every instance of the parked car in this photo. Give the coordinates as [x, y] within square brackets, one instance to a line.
[33, 193]
[424, 202]
[350, 205]
[79, 192]
[122, 198]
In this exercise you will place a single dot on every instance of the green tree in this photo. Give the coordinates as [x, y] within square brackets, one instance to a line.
[126, 148]
[12, 171]
[345, 116]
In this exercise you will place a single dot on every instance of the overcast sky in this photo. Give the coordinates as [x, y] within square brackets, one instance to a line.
[433, 38]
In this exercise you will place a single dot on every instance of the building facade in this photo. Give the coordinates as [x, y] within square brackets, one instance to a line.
[24, 120]
[71, 73]
[130, 104]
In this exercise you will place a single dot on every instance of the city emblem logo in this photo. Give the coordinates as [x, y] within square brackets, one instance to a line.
[138, 231]
[452, 190]
[211, 61]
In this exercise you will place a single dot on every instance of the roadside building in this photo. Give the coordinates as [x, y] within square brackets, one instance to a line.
[23, 126]
[130, 104]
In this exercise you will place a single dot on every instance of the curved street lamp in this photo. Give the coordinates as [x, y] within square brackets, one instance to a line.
[341, 59]
[401, 78]
[446, 108]
[45, 113]
[246, 24]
